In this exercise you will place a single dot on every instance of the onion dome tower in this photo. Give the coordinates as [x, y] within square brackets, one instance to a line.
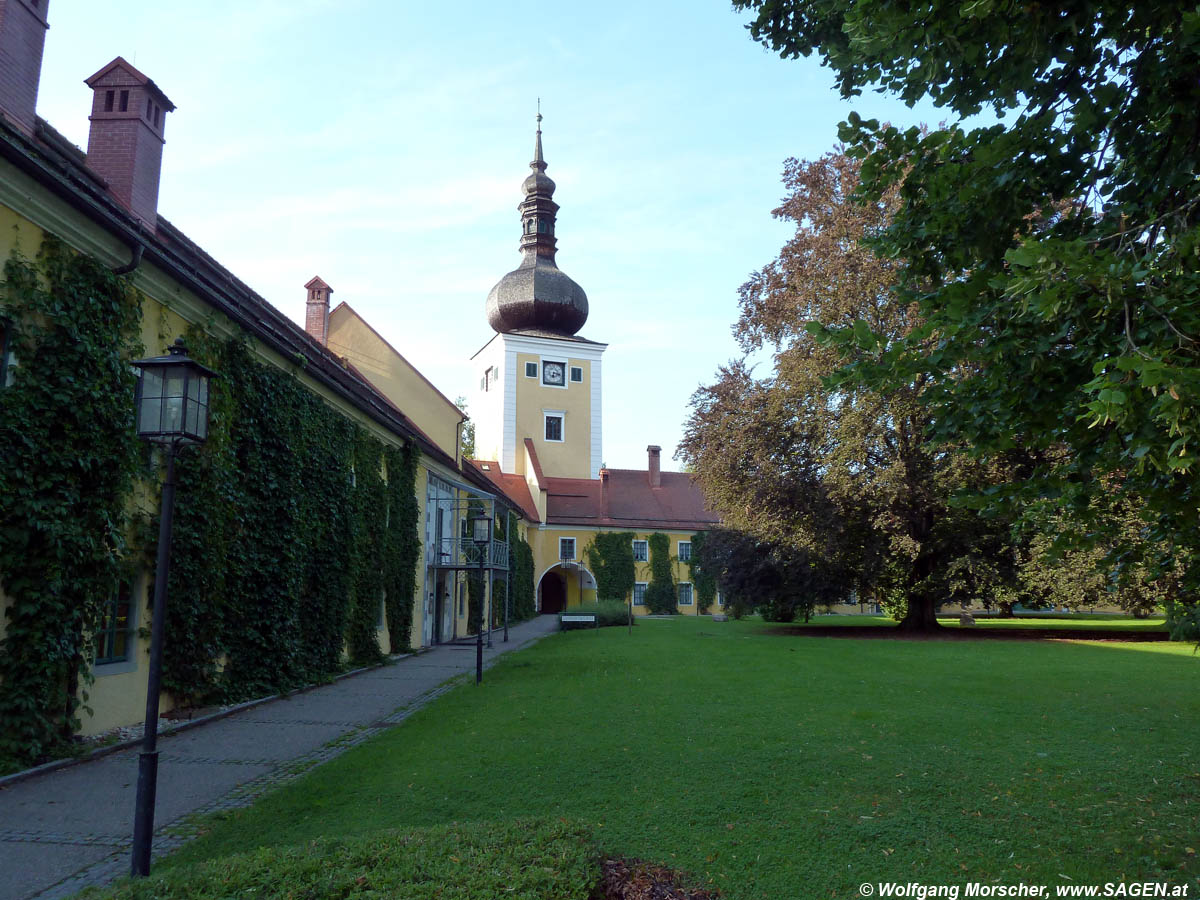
[537, 297]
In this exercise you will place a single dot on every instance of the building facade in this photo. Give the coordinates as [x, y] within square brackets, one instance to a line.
[539, 427]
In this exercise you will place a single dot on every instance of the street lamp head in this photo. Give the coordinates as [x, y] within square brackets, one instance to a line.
[481, 528]
[172, 397]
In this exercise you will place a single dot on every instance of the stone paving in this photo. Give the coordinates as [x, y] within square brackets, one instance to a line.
[67, 829]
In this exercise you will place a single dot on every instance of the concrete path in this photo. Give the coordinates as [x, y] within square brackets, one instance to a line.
[66, 829]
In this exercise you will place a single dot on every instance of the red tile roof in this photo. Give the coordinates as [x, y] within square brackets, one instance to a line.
[677, 505]
[511, 486]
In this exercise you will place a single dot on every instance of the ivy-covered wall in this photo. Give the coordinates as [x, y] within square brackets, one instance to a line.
[610, 557]
[69, 461]
[704, 584]
[292, 523]
[660, 592]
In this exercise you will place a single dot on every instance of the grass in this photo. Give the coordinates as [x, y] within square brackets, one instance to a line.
[1074, 620]
[777, 766]
[523, 859]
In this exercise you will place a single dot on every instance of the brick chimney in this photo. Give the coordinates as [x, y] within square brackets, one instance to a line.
[604, 508]
[129, 115]
[22, 37]
[655, 452]
[316, 319]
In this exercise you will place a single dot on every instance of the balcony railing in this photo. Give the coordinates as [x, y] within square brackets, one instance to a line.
[464, 553]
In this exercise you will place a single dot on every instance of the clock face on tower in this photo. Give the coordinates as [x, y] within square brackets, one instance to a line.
[554, 373]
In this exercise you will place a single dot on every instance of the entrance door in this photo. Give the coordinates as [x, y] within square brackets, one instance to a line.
[554, 593]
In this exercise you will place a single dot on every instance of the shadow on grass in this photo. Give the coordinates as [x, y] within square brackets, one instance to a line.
[973, 633]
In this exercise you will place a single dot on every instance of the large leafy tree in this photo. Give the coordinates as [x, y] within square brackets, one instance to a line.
[845, 474]
[1053, 252]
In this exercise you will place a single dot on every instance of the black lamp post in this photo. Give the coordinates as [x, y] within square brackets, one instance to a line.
[481, 535]
[172, 410]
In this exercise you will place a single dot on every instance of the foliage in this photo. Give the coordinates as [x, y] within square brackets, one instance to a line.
[779, 581]
[520, 576]
[845, 475]
[1070, 557]
[1054, 249]
[610, 557]
[608, 613]
[660, 591]
[525, 859]
[70, 456]
[286, 536]
[703, 582]
[637, 732]
[468, 430]
[403, 546]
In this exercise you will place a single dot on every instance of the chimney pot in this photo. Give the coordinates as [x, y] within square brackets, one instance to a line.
[316, 319]
[654, 452]
[129, 118]
[22, 38]
[604, 514]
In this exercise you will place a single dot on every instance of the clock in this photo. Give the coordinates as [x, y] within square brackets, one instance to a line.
[554, 373]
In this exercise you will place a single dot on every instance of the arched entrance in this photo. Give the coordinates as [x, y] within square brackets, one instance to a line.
[553, 591]
[566, 584]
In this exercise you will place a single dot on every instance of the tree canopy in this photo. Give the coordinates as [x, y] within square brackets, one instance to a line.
[847, 475]
[1053, 253]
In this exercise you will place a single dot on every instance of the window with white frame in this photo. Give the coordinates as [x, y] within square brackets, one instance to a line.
[577, 373]
[685, 551]
[566, 548]
[639, 593]
[554, 425]
[685, 593]
[531, 370]
[641, 551]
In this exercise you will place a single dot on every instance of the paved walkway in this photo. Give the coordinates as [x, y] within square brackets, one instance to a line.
[70, 828]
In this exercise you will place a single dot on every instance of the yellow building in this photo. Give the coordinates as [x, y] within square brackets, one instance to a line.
[100, 206]
[539, 426]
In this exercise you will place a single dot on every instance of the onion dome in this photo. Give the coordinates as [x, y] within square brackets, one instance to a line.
[537, 296]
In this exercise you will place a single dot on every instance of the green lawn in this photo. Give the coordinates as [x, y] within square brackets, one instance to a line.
[778, 766]
[1074, 620]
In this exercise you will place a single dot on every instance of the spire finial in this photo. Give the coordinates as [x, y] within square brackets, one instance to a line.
[538, 162]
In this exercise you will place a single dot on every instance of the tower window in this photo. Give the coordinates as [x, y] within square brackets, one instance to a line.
[124, 101]
[554, 427]
[149, 110]
[109, 96]
[531, 370]
[543, 226]
[576, 373]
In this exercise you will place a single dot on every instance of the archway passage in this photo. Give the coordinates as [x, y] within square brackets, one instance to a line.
[553, 593]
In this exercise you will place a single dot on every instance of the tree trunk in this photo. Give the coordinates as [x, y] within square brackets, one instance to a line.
[922, 608]
[921, 615]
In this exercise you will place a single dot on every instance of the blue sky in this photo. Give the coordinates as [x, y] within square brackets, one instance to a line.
[382, 145]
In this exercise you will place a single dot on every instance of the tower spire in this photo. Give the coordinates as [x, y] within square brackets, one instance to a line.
[538, 163]
[537, 295]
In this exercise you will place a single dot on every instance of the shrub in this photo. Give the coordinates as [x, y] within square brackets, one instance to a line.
[607, 613]
[522, 859]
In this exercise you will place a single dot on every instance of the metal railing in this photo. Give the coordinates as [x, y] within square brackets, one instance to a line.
[464, 553]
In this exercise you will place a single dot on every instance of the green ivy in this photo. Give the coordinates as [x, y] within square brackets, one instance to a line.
[522, 601]
[287, 536]
[403, 546]
[70, 456]
[610, 555]
[703, 584]
[660, 592]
